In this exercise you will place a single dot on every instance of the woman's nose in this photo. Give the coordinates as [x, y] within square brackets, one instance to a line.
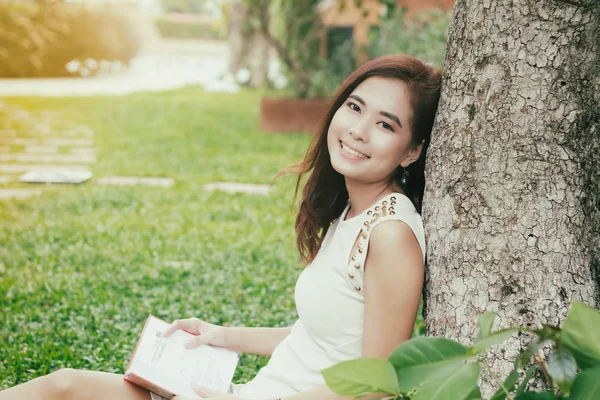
[359, 130]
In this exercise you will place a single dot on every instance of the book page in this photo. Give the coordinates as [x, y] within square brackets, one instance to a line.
[165, 362]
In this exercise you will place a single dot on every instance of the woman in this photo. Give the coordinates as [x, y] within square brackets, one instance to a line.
[360, 208]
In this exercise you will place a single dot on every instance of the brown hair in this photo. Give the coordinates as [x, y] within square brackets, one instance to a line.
[324, 196]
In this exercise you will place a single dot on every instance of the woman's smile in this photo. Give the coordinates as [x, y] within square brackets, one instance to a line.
[350, 153]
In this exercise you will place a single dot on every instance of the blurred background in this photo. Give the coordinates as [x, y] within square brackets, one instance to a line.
[310, 45]
[138, 141]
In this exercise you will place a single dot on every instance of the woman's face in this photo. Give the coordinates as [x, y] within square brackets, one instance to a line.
[369, 135]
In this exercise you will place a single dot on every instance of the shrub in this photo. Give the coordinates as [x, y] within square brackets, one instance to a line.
[169, 28]
[423, 36]
[39, 38]
[443, 369]
[183, 6]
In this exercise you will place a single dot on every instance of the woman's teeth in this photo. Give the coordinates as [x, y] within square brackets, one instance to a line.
[351, 152]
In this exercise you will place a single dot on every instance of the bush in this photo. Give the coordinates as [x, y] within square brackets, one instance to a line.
[443, 369]
[423, 36]
[169, 28]
[39, 38]
[183, 6]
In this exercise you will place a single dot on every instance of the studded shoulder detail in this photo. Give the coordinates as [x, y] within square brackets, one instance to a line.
[384, 210]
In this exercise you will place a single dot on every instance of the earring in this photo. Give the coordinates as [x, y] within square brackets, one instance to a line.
[404, 178]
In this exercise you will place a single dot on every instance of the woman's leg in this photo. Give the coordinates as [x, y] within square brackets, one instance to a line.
[70, 384]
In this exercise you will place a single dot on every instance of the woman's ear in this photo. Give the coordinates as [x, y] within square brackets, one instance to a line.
[413, 155]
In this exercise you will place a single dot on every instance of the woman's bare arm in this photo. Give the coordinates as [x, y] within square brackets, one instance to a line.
[261, 341]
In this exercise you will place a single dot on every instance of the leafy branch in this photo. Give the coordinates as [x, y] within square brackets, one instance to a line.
[443, 369]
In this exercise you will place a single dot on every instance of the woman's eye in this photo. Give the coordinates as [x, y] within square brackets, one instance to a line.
[353, 106]
[387, 126]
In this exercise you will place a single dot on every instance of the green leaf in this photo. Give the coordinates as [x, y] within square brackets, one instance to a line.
[458, 384]
[475, 394]
[586, 385]
[536, 396]
[491, 340]
[418, 360]
[525, 381]
[581, 334]
[532, 348]
[509, 384]
[360, 377]
[548, 332]
[562, 367]
[486, 321]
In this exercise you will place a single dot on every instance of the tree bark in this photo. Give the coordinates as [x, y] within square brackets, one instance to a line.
[235, 36]
[512, 200]
[259, 60]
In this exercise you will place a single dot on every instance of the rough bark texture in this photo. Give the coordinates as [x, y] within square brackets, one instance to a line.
[512, 202]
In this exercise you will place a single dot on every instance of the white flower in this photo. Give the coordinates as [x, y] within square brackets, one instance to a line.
[243, 75]
[73, 66]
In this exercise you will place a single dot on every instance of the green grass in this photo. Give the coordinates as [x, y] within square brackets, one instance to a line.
[82, 266]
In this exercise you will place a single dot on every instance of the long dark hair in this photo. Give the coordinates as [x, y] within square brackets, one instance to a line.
[324, 196]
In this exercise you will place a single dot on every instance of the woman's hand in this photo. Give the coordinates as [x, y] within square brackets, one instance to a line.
[206, 333]
[210, 394]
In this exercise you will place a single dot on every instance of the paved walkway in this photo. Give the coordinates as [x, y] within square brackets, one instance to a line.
[39, 142]
[161, 65]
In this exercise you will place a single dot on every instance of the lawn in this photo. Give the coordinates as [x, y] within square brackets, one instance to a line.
[81, 267]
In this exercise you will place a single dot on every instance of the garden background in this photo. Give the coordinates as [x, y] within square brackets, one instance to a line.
[81, 266]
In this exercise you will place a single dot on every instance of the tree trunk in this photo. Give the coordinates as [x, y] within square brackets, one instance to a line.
[512, 201]
[259, 60]
[235, 36]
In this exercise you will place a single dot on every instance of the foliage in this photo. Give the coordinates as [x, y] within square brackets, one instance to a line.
[442, 369]
[295, 34]
[183, 6]
[38, 39]
[170, 28]
[333, 71]
[423, 35]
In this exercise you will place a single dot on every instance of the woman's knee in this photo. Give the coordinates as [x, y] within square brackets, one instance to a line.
[64, 382]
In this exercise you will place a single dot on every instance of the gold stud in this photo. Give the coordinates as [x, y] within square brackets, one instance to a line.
[353, 258]
[393, 198]
[367, 224]
[384, 203]
[392, 213]
[357, 266]
[351, 275]
[357, 288]
[369, 212]
[360, 250]
[364, 235]
[391, 208]
[376, 208]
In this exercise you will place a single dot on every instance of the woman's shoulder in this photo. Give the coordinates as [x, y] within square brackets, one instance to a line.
[395, 221]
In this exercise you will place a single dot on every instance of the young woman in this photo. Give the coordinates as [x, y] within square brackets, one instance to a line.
[359, 231]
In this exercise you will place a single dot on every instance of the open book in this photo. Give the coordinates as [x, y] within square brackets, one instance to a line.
[163, 366]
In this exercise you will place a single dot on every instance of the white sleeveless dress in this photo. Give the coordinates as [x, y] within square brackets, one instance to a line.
[330, 303]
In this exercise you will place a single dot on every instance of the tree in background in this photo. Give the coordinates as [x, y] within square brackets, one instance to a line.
[512, 203]
[295, 35]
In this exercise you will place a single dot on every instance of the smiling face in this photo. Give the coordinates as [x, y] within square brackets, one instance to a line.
[369, 135]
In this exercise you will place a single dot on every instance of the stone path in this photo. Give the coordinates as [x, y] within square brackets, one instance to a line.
[6, 194]
[136, 180]
[234, 187]
[39, 142]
